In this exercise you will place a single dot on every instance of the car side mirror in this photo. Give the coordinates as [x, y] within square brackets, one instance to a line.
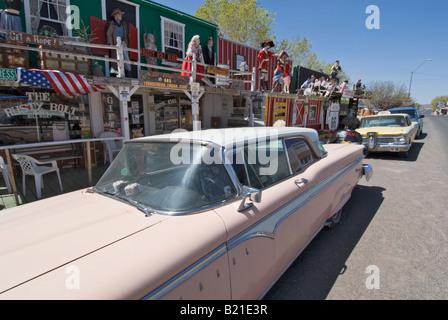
[422, 116]
[253, 194]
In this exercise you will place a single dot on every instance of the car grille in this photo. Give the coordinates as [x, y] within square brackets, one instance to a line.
[382, 140]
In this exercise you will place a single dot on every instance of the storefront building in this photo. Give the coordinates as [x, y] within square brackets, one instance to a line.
[145, 100]
[32, 113]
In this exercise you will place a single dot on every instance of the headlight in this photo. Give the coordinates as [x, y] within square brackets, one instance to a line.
[401, 140]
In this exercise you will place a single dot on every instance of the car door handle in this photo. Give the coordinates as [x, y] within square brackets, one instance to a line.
[301, 182]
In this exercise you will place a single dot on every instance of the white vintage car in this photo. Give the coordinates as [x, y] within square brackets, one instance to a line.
[214, 214]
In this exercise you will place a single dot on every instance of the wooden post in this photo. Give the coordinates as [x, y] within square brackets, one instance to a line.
[11, 176]
[89, 162]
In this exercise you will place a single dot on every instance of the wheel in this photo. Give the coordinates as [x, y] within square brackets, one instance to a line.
[419, 134]
[334, 220]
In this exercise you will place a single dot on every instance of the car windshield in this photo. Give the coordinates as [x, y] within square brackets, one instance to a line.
[410, 112]
[388, 121]
[168, 177]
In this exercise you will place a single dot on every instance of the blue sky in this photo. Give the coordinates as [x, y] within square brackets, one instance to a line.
[410, 32]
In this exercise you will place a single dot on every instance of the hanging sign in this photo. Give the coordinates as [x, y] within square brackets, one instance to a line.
[158, 55]
[195, 87]
[32, 39]
[8, 74]
[348, 93]
[218, 70]
[163, 80]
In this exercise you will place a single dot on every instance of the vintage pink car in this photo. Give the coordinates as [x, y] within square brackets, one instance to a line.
[213, 214]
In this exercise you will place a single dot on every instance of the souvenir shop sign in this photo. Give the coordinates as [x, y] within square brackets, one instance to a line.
[33, 39]
[37, 105]
[158, 55]
[39, 110]
[163, 80]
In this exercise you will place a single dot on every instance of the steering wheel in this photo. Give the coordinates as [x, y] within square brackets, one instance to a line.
[207, 183]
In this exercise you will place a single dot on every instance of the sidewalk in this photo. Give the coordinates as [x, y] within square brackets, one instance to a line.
[72, 179]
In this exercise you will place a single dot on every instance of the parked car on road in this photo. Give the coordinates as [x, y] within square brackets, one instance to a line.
[388, 132]
[214, 214]
[416, 117]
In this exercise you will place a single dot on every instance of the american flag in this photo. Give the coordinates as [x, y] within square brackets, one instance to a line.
[65, 83]
[307, 83]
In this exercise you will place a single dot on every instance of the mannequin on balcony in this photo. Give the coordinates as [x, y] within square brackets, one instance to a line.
[116, 27]
[263, 58]
[194, 51]
[10, 16]
[209, 54]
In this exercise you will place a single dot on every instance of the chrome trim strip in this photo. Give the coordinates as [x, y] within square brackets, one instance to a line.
[186, 274]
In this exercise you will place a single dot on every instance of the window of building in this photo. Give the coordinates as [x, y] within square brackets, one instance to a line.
[111, 113]
[312, 115]
[48, 17]
[42, 116]
[173, 39]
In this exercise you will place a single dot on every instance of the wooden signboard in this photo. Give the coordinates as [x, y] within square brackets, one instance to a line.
[158, 55]
[33, 39]
[163, 80]
[218, 70]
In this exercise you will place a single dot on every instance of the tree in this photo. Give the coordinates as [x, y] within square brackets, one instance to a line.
[435, 101]
[247, 22]
[386, 95]
[244, 21]
[300, 53]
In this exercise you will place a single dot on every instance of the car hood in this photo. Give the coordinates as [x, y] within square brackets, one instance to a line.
[41, 236]
[384, 131]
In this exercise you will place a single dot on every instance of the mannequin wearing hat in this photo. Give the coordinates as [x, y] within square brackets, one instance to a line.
[281, 72]
[116, 27]
[263, 58]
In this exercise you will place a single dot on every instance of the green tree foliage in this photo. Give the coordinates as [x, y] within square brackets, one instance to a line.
[436, 100]
[386, 95]
[247, 22]
[299, 51]
[243, 21]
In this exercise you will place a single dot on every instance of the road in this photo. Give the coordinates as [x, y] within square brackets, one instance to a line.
[392, 242]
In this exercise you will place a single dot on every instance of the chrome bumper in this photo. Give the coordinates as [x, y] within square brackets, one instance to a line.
[367, 171]
[390, 147]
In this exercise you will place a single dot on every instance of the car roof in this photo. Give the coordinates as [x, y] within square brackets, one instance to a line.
[387, 115]
[402, 108]
[231, 136]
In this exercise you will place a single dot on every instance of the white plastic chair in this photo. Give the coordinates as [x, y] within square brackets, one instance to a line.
[5, 172]
[33, 167]
[111, 147]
